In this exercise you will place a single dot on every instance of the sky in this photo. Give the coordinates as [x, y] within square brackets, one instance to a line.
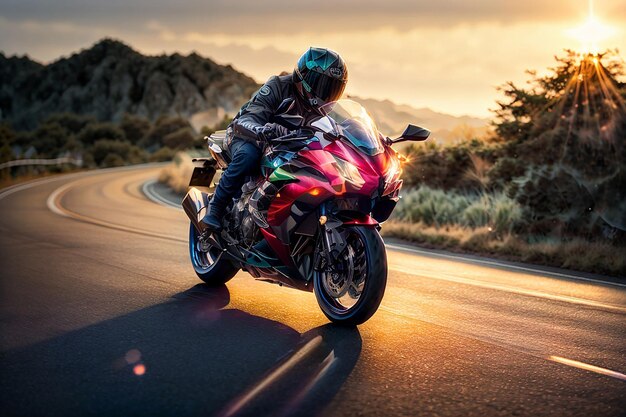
[448, 55]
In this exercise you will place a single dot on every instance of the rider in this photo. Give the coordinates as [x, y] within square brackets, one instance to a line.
[320, 76]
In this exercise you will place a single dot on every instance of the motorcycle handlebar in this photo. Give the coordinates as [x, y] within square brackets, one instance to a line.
[296, 134]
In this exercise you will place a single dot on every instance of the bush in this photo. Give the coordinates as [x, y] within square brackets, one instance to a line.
[97, 131]
[438, 208]
[49, 138]
[134, 127]
[71, 122]
[107, 152]
[180, 139]
[162, 155]
[163, 127]
[7, 135]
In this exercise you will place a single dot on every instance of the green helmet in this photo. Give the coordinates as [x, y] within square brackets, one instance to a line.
[320, 76]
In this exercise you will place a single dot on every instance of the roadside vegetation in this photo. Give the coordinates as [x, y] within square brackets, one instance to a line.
[549, 187]
[132, 140]
[176, 174]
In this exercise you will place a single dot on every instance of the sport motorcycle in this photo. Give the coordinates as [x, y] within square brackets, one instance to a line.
[310, 219]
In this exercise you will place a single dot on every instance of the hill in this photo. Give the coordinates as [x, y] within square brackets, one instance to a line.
[110, 79]
[392, 118]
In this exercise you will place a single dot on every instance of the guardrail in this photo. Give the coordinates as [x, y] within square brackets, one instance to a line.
[55, 161]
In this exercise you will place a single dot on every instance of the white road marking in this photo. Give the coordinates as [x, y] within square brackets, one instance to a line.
[42, 181]
[54, 205]
[52, 201]
[515, 290]
[155, 197]
[587, 367]
[510, 346]
[30, 184]
[500, 264]
[163, 201]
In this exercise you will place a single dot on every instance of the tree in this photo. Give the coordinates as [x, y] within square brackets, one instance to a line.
[71, 122]
[569, 129]
[134, 127]
[49, 138]
[582, 93]
[163, 127]
[180, 139]
[7, 135]
[96, 131]
[116, 152]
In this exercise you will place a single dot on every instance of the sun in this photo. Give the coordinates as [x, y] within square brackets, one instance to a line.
[592, 33]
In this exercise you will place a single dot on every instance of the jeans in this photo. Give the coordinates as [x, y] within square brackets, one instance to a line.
[246, 162]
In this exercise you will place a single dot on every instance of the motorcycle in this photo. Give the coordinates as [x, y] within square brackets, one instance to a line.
[311, 219]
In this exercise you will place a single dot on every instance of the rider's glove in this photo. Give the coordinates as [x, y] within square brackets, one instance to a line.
[271, 131]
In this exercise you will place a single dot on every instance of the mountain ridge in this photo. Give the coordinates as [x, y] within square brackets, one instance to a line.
[110, 79]
[392, 118]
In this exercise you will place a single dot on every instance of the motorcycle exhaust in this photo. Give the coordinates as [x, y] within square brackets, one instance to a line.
[196, 204]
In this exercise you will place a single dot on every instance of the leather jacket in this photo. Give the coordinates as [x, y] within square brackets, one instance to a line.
[257, 112]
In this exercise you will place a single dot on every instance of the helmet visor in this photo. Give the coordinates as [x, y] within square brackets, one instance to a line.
[322, 86]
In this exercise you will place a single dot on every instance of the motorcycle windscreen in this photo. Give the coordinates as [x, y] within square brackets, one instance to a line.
[355, 125]
[361, 136]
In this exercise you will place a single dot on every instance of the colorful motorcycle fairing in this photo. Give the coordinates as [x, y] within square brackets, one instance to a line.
[344, 166]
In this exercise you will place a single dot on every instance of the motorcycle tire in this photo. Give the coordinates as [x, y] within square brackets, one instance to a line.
[371, 250]
[210, 266]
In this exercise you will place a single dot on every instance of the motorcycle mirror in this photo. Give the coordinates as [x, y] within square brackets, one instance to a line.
[412, 133]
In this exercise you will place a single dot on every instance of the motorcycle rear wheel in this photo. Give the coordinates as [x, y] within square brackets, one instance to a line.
[210, 266]
[353, 296]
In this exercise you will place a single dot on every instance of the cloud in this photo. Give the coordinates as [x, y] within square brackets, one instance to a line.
[285, 16]
[448, 55]
[450, 69]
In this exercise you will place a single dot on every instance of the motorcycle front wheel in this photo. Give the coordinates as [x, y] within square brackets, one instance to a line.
[210, 265]
[350, 292]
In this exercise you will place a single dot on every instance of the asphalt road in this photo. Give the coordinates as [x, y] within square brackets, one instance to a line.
[102, 314]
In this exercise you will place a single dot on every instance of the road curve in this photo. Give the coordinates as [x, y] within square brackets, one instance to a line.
[101, 314]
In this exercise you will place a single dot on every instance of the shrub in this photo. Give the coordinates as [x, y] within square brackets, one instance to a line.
[163, 127]
[134, 127]
[162, 155]
[180, 139]
[104, 152]
[98, 131]
[438, 208]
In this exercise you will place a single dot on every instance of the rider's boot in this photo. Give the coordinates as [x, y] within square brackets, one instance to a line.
[213, 219]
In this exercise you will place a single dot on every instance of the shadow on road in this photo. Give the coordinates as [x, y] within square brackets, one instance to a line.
[189, 356]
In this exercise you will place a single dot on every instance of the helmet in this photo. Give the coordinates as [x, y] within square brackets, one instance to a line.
[320, 76]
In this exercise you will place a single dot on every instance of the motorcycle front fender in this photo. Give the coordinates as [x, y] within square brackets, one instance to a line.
[364, 220]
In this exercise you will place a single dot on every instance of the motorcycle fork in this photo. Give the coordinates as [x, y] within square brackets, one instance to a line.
[333, 241]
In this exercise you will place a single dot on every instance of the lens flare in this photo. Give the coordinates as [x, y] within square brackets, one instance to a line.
[139, 369]
[592, 33]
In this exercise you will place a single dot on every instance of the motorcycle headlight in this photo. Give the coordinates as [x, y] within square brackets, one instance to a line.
[393, 171]
[349, 172]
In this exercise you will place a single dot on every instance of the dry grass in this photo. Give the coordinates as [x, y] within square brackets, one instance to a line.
[485, 231]
[177, 174]
[581, 255]
[440, 208]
